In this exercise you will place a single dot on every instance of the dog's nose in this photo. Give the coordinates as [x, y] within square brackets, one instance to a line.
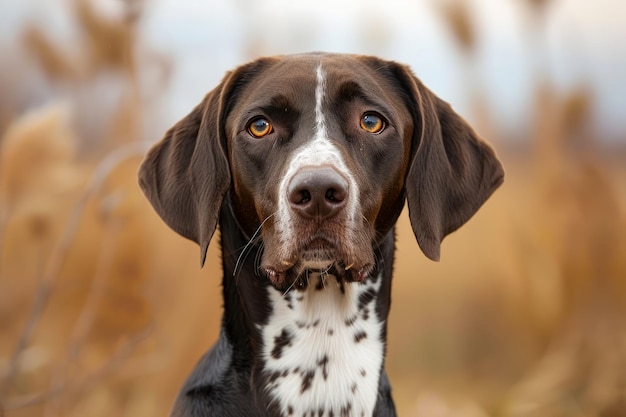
[318, 192]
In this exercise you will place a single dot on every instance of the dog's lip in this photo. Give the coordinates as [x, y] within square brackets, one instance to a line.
[323, 242]
[297, 275]
[318, 252]
[318, 265]
[318, 243]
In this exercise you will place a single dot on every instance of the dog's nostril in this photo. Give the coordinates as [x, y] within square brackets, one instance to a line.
[335, 195]
[317, 192]
[330, 195]
[301, 197]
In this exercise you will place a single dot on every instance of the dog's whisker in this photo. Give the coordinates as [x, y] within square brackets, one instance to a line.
[250, 242]
[244, 255]
[240, 248]
[289, 288]
[257, 258]
[325, 272]
[324, 275]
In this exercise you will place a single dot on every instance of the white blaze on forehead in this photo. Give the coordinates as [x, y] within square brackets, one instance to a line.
[319, 150]
[320, 123]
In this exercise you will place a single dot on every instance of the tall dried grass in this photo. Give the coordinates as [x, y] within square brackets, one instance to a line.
[104, 312]
[564, 332]
[458, 17]
[578, 224]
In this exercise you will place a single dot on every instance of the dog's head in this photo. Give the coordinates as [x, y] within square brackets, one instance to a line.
[318, 154]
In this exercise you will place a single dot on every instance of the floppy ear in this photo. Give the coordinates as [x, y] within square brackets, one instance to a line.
[452, 172]
[186, 175]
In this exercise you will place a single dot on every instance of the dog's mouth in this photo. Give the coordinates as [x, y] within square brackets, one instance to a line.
[317, 257]
[300, 277]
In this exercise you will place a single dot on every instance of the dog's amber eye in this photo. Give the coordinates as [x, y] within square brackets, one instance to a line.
[260, 127]
[372, 123]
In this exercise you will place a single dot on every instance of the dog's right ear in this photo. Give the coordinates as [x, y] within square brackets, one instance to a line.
[186, 175]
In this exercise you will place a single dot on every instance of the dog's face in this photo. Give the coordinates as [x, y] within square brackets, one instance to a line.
[318, 153]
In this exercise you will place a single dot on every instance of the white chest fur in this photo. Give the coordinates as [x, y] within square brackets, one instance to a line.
[323, 350]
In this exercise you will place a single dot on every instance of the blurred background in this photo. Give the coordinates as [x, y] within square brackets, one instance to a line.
[104, 310]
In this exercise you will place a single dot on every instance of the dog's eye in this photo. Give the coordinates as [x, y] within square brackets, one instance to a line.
[372, 123]
[260, 127]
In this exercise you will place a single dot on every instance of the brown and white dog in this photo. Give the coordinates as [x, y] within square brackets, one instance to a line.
[306, 162]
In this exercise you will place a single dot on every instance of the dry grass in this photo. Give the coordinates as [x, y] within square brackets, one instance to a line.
[457, 15]
[104, 311]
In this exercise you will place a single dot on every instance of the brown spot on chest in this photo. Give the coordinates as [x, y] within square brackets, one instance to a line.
[281, 342]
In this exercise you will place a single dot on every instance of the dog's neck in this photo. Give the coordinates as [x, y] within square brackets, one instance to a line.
[318, 348]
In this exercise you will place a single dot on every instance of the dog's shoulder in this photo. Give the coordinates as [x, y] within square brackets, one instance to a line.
[384, 406]
[213, 388]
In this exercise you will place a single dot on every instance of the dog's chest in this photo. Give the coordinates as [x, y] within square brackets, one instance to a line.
[322, 349]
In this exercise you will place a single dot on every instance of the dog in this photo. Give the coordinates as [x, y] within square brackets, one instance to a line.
[305, 162]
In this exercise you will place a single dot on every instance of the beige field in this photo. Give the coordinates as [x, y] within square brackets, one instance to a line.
[104, 310]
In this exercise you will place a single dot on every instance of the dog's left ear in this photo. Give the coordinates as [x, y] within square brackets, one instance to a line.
[452, 172]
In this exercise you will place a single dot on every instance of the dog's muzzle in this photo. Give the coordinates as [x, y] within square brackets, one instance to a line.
[317, 198]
